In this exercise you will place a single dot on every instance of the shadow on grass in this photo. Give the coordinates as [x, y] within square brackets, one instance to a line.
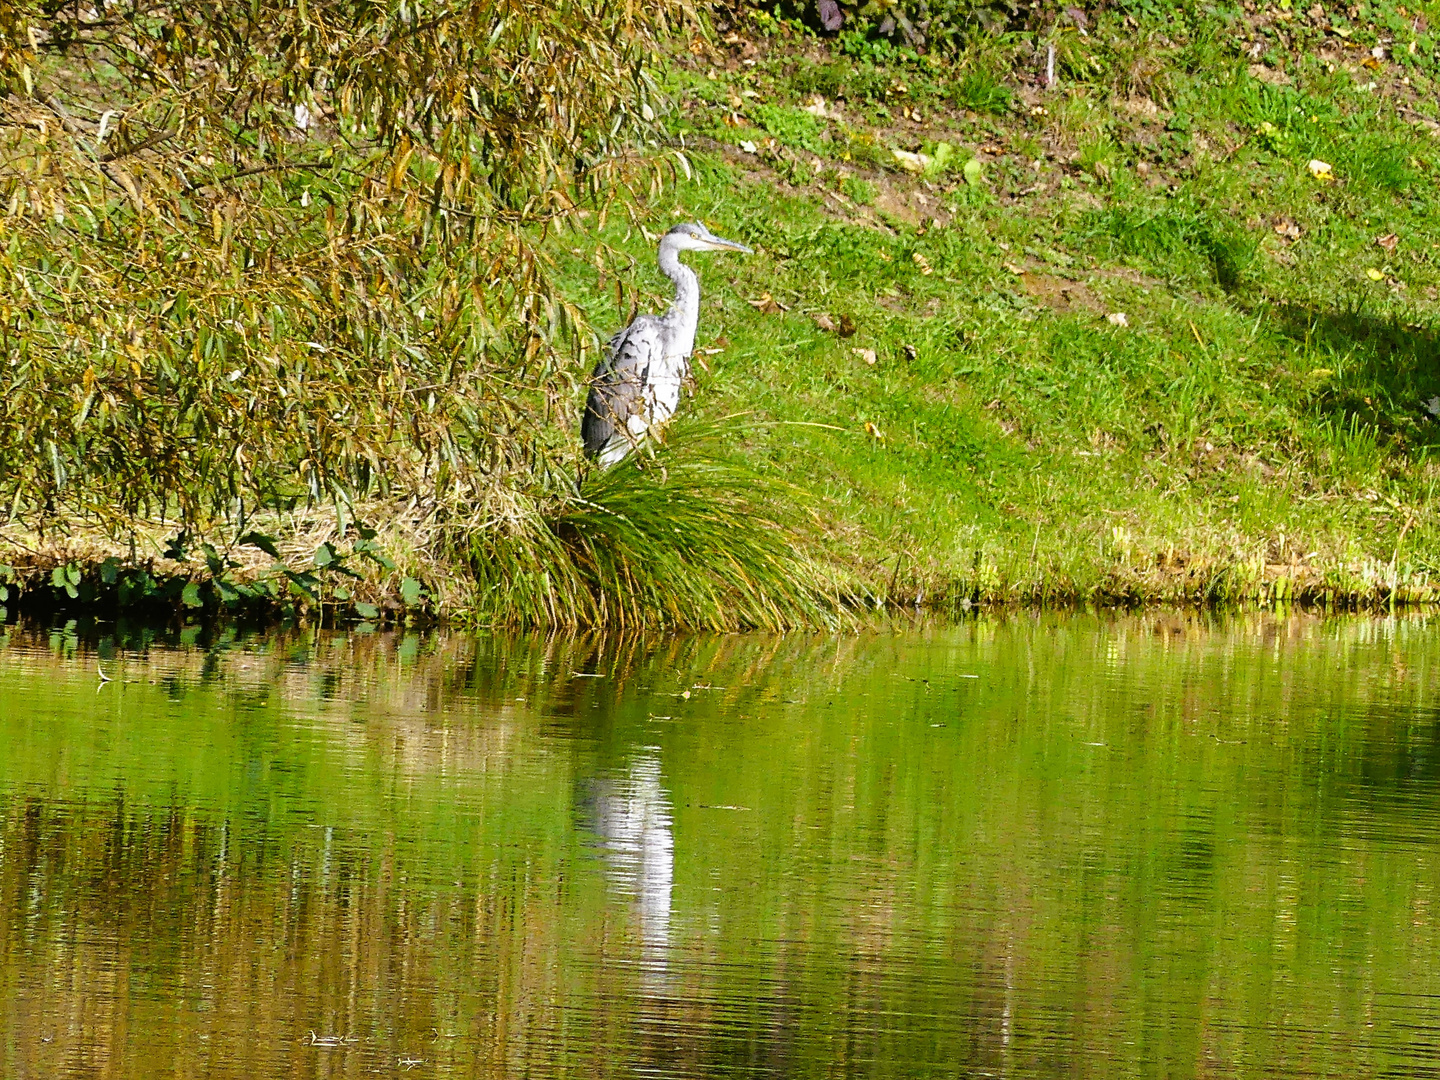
[1387, 369]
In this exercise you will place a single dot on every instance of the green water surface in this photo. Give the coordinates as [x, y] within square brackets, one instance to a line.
[1035, 846]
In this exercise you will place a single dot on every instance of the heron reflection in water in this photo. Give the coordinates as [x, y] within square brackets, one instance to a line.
[636, 386]
[630, 813]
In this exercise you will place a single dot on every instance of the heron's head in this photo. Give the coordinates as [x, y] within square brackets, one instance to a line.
[692, 236]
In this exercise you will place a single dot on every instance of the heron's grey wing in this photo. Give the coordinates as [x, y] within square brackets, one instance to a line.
[617, 388]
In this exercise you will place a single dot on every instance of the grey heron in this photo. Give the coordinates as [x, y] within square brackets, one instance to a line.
[636, 384]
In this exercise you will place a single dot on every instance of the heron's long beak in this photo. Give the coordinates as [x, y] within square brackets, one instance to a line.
[717, 244]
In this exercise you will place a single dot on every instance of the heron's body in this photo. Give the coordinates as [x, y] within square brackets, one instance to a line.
[636, 386]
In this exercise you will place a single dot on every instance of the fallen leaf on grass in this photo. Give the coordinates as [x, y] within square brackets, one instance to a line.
[1374, 275]
[825, 322]
[868, 355]
[874, 432]
[915, 163]
[1117, 318]
[1320, 170]
[747, 146]
[1287, 230]
[920, 261]
[1017, 271]
[767, 304]
[1388, 241]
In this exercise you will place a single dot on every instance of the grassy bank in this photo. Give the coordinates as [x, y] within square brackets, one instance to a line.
[1136, 306]
[1116, 338]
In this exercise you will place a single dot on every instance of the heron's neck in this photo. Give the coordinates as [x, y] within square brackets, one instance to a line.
[684, 313]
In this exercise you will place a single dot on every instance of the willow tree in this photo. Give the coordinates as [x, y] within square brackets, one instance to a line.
[265, 250]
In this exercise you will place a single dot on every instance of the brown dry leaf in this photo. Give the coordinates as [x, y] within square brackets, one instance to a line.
[920, 261]
[1287, 230]
[825, 322]
[1388, 241]
[767, 305]
[868, 355]
[1016, 270]
[847, 326]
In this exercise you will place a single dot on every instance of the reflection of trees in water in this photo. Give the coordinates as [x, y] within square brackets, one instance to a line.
[133, 936]
[967, 892]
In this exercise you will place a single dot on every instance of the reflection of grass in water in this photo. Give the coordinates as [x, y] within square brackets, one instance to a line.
[674, 535]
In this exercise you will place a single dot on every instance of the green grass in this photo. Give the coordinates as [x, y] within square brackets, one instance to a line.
[674, 536]
[1257, 430]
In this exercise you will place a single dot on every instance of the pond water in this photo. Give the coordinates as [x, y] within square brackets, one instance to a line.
[1158, 845]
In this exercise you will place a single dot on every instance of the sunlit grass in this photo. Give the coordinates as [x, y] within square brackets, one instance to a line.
[1265, 399]
[675, 535]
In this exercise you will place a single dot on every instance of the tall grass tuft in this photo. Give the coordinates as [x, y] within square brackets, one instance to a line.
[674, 536]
